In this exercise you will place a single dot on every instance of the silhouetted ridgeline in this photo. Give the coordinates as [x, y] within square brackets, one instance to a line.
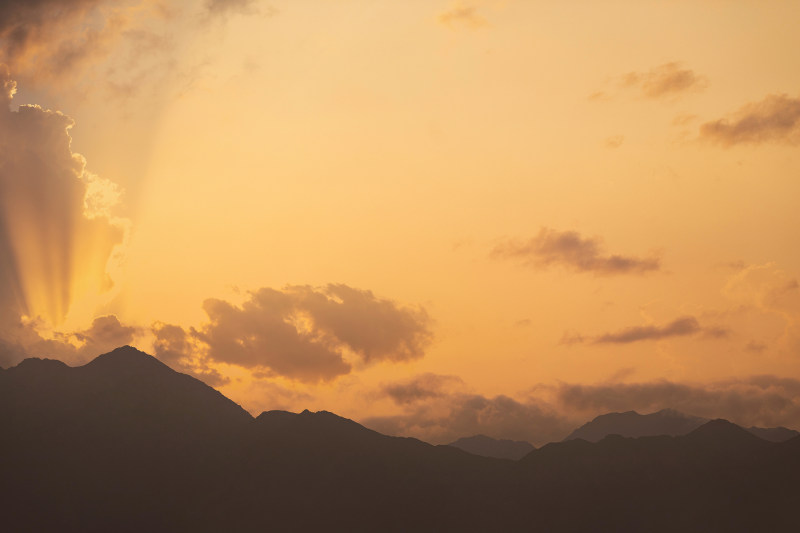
[126, 444]
[664, 422]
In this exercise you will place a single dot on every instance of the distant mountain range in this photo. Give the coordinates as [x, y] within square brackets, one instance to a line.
[664, 422]
[126, 444]
[498, 448]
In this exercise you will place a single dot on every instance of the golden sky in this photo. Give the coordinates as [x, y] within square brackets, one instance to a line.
[439, 218]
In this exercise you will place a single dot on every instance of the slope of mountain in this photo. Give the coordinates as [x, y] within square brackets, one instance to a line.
[126, 444]
[489, 447]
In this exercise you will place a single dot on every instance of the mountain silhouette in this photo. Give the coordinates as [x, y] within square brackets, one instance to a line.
[489, 447]
[664, 422]
[632, 424]
[124, 443]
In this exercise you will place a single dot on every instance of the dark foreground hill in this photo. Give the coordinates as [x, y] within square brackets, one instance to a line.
[126, 444]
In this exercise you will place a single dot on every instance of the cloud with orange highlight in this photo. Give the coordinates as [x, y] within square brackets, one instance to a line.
[775, 119]
[58, 233]
[571, 250]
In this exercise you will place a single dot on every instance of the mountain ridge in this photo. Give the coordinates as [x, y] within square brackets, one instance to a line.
[131, 445]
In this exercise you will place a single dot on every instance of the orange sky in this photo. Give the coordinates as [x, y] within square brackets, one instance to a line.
[435, 217]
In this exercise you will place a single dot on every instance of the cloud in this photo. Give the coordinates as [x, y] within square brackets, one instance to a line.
[569, 249]
[52, 37]
[176, 348]
[374, 328]
[615, 141]
[462, 14]
[58, 235]
[680, 327]
[763, 400]
[32, 338]
[421, 387]
[669, 79]
[302, 333]
[226, 7]
[446, 411]
[775, 119]
[455, 415]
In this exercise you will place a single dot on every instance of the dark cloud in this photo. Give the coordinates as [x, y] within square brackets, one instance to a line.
[669, 79]
[764, 401]
[302, 333]
[53, 36]
[680, 327]
[262, 333]
[176, 348]
[568, 248]
[776, 119]
[462, 14]
[453, 416]
[374, 328]
[421, 387]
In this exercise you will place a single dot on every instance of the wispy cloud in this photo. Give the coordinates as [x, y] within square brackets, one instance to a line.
[570, 249]
[775, 119]
[462, 14]
[669, 79]
[680, 327]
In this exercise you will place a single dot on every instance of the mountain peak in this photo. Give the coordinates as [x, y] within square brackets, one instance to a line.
[720, 428]
[126, 358]
[40, 364]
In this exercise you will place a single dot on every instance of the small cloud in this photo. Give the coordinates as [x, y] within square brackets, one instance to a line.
[775, 119]
[421, 387]
[755, 347]
[569, 249]
[680, 327]
[615, 141]
[462, 14]
[242, 7]
[684, 119]
[599, 96]
[677, 328]
[572, 337]
[669, 79]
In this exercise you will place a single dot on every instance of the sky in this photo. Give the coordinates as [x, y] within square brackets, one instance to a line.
[437, 218]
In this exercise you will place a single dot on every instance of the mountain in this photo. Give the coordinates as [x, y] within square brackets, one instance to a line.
[778, 434]
[126, 444]
[632, 424]
[489, 447]
[664, 422]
